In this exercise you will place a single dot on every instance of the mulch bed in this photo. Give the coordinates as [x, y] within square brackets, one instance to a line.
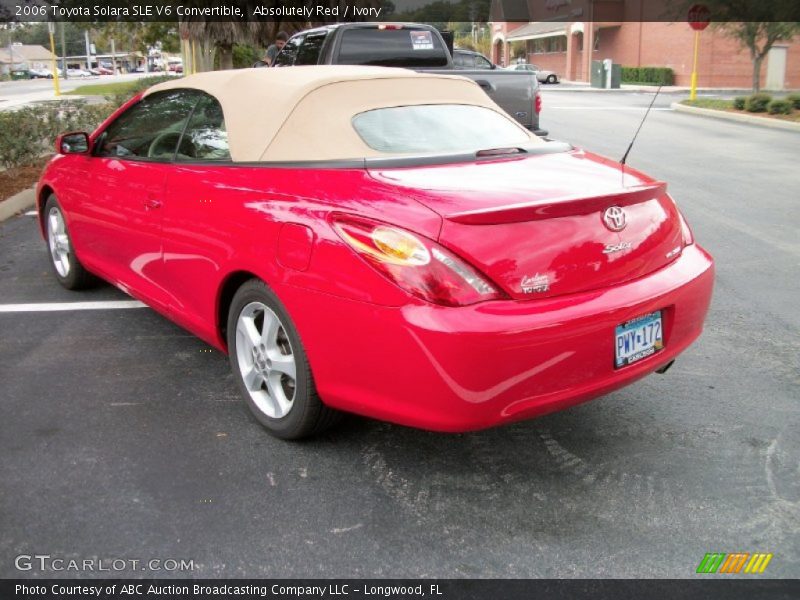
[17, 179]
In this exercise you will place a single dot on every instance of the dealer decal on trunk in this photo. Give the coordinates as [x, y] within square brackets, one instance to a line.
[536, 284]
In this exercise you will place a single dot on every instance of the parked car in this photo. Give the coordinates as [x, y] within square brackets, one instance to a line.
[20, 74]
[41, 73]
[469, 59]
[101, 71]
[78, 73]
[542, 75]
[379, 241]
[413, 46]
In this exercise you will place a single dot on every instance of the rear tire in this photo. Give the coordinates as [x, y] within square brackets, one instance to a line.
[67, 268]
[552, 79]
[270, 366]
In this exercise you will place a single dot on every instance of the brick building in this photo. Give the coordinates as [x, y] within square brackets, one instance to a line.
[559, 44]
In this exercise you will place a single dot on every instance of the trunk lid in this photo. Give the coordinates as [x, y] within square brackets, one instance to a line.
[540, 226]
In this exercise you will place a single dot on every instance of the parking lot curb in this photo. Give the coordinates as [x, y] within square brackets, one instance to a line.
[741, 118]
[17, 203]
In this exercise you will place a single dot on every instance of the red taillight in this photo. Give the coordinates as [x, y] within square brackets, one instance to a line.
[538, 102]
[418, 265]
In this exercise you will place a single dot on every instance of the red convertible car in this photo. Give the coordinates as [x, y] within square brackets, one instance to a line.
[377, 241]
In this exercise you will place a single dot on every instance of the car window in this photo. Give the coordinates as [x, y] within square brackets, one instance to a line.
[309, 51]
[392, 47]
[437, 128]
[482, 62]
[150, 128]
[288, 53]
[460, 60]
[205, 137]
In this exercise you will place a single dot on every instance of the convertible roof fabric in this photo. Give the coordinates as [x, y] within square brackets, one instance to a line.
[304, 113]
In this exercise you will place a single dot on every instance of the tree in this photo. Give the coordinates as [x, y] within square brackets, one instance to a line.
[137, 35]
[758, 38]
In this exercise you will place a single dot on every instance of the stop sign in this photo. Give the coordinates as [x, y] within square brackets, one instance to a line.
[699, 17]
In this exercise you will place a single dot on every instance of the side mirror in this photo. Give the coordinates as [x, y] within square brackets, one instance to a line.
[76, 142]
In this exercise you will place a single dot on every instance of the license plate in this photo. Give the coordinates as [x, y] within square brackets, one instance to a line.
[638, 338]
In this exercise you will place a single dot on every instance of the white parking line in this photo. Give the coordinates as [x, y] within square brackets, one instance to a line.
[640, 108]
[62, 306]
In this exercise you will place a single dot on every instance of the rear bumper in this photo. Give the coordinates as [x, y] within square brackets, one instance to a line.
[459, 369]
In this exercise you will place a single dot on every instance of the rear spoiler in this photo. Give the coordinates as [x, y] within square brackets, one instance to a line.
[559, 207]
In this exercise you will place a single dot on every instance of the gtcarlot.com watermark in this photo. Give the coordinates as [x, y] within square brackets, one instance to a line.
[47, 562]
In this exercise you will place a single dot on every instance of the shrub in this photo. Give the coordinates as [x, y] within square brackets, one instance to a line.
[29, 132]
[794, 99]
[739, 102]
[779, 107]
[757, 103]
[21, 135]
[650, 75]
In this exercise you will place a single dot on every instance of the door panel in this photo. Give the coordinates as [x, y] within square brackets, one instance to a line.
[120, 216]
[122, 225]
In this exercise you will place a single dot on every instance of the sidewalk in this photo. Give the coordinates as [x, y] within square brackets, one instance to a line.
[582, 86]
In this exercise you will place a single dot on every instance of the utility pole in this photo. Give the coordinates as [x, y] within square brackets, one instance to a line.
[63, 50]
[88, 49]
[113, 57]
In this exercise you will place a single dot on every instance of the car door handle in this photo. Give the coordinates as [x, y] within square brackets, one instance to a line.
[152, 204]
[487, 87]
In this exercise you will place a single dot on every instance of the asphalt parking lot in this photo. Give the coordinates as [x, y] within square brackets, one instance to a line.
[122, 436]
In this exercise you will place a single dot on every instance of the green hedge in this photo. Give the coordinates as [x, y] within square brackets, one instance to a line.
[30, 132]
[780, 107]
[739, 102]
[794, 98]
[757, 103]
[648, 75]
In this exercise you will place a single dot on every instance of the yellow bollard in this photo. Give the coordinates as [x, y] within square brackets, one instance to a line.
[693, 93]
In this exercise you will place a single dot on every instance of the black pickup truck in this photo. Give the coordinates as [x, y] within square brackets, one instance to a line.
[412, 46]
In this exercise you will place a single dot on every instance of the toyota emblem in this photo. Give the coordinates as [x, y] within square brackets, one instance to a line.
[614, 218]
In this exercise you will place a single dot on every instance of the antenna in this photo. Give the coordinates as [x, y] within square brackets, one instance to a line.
[635, 135]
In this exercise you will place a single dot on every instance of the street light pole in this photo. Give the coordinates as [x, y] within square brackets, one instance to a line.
[63, 50]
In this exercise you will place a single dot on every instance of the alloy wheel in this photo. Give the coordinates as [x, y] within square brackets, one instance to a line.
[58, 241]
[266, 360]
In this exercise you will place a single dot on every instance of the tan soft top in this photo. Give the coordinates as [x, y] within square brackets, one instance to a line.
[304, 113]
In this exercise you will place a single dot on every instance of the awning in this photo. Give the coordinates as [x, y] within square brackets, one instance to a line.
[537, 31]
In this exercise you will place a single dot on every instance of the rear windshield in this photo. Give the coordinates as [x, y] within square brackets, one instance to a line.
[438, 129]
[392, 48]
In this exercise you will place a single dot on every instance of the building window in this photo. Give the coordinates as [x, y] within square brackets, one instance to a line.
[549, 45]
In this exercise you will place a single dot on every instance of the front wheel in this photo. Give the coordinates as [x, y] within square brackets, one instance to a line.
[552, 79]
[68, 269]
[270, 365]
